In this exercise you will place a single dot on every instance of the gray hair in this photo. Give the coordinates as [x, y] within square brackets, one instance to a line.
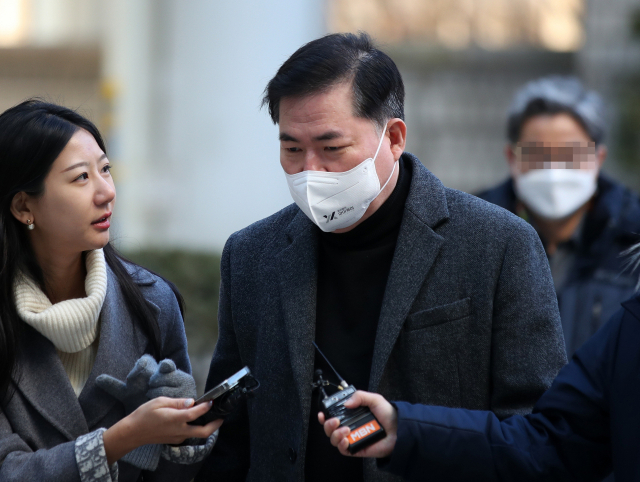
[553, 95]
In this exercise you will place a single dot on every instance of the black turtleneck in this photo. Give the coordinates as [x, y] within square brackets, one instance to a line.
[353, 268]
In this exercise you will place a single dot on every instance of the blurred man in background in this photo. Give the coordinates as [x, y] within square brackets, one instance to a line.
[585, 220]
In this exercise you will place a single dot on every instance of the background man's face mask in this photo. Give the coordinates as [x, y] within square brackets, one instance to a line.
[554, 191]
[336, 200]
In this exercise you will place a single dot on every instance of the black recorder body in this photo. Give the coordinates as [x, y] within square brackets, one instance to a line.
[227, 396]
[365, 429]
[363, 425]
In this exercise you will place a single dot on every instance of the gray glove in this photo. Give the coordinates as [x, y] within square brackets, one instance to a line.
[146, 381]
[168, 381]
[132, 392]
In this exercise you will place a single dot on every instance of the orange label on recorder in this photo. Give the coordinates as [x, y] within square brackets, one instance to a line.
[363, 431]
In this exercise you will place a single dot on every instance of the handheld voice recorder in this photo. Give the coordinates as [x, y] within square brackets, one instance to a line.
[363, 425]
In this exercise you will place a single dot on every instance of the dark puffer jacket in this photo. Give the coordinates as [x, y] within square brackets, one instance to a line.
[584, 426]
[597, 282]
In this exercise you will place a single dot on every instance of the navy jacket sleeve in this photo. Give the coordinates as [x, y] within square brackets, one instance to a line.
[567, 437]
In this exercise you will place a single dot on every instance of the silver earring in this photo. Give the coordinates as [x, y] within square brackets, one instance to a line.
[30, 225]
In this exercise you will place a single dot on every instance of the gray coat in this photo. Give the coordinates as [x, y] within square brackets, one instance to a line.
[469, 319]
[40, 424]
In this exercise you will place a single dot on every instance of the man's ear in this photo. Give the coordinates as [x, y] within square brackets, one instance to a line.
[397, 130]
[20, 207]
[601, 155]
[510, 155]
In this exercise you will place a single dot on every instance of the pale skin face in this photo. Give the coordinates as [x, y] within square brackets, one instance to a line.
[556, 135]
[72, 215]
[319, 132]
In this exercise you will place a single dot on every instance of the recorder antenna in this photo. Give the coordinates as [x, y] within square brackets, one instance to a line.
[343, 383]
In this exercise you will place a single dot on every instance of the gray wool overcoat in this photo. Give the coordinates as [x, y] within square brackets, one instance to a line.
[469, 319]
[40, 424]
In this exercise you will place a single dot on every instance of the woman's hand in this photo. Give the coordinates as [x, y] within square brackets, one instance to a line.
[162, 420]
[383, 411]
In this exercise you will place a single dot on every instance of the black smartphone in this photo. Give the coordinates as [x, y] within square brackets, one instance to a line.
[227, 395]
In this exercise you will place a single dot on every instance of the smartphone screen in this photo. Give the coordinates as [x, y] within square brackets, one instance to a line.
[225, 386]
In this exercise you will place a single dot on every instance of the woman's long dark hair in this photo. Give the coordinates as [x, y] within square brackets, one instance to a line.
[32, 136]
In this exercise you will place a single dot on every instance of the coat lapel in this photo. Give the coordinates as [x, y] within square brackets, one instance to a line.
[417, 247]
[120, 347]
[44, 383]
[298, 273]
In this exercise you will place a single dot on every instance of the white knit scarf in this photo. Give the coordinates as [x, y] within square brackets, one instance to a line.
[71, 325]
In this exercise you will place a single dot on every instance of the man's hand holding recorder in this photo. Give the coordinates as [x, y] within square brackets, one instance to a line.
[384, 412]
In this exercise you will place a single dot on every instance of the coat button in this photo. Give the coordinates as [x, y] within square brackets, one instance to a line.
[292, 455]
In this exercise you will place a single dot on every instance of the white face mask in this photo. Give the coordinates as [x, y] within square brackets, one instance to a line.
[555, 193]
[336, 200]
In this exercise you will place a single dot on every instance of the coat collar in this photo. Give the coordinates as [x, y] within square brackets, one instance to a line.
[615, 214]
[427, 199]
[44, 383]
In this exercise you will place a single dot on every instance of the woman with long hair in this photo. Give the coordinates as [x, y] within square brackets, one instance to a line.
[72, 309]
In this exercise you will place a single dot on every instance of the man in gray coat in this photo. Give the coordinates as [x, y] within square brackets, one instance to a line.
[412, 290]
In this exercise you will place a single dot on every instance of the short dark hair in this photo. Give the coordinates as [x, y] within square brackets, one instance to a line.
[557, 95]
[378, 90]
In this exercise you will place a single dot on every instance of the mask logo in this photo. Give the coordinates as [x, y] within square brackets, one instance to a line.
[330, 218]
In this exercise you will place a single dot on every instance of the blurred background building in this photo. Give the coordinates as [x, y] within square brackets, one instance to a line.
[175, 87]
